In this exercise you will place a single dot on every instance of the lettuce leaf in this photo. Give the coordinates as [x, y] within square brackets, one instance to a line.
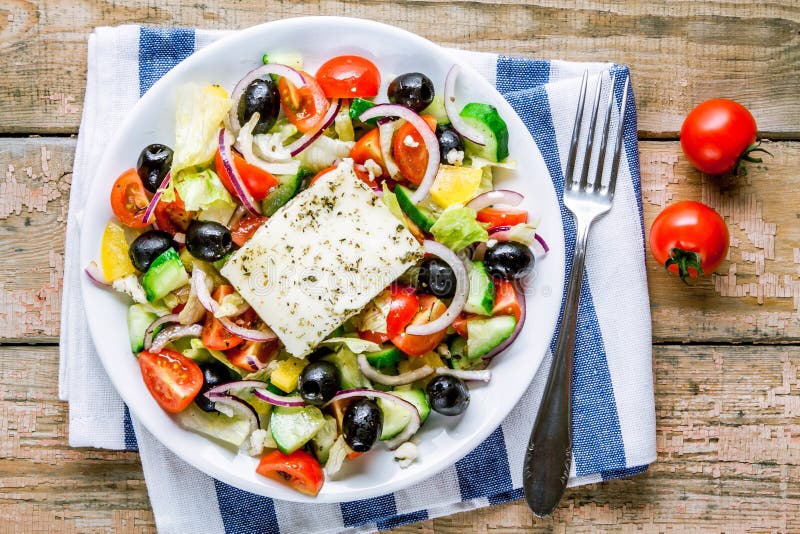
[457, 227]
[198, 118]
[204, 192]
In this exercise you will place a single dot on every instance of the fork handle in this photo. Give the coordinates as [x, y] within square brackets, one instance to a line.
[549, 454]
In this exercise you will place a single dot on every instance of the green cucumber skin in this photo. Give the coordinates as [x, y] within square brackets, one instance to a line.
[395, 419]
[485, 118]
[481, 289]
[417, 214]
[138, 321]
[418, 398]
[288, 187]
[484, 334]
[386, 357]
[359, 106]
[294, 427]
[165, 274]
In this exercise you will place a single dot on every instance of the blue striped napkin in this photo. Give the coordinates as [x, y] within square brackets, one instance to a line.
[614, 416]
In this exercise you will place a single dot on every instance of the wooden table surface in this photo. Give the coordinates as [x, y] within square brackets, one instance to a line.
[726, 358]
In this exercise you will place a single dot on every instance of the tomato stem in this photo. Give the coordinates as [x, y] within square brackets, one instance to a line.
[755, 147]
[684, 259]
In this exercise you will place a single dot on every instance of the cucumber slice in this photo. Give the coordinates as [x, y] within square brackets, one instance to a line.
[481, 289]
[386, 357]
[165, 274]
[349, 373]
[359, 106]
[458, 354]
[485, 334]
[288, 187]
[488, 121]
[395, 418]
[418, 398]
[294, 427]
[139, 318]
[436, 108]
[228, 430]
[324, 439]
[418, 215]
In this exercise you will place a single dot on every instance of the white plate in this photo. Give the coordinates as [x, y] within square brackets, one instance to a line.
[443, 440]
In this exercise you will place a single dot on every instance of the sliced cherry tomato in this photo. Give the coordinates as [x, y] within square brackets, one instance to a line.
[368, 147]
[349, 77]
[299, 470]
[404, 306]
[412, 156]
[244, 355]
[460, 325]
[506, 300]
[215, 336]
[172, 216]
[258, 181]
[375, 337]
[430, 308]
[320, 174]
[503, 216]
[129, 199]
[172, 379]
[304, 107]
[718, 135]
[361, 173]
[689, 239]
[243, 230]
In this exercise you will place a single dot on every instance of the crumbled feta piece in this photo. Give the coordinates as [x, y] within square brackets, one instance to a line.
[257, 440]
[130, 286]
[321, 259]
[443, 351]
[373, 168]
[491, 242]
[455, 157]
[409, 142]
[406, 454]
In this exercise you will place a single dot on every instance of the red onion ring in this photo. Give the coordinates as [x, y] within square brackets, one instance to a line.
[458, 123]
[247, 333]
[388, 380]
[428, 137]
[172, 332]
[151, 330]
[236, 384]
[408, 431]
[507, 343]
[277, 69]
[96, 275]
[277, 400]
[483, 375]
[238, 213]
[233, 175]
[386, 132]
[301, 144]
[542, 243]
[498, 196]
[238, 405]
[151, 208]
[201, 290]
[459, 299]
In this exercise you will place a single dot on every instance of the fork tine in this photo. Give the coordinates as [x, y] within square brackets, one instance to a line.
[601, 157]
[612, 184]
[569, 181]
[587, 158]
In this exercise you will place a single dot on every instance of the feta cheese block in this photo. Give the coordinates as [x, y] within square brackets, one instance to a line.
[321, 258]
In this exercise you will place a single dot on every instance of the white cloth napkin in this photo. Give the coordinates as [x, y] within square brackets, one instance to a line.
[614, 416]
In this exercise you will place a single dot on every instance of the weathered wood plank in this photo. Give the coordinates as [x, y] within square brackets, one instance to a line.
[680, 55]
[728, 443]
[755, 297]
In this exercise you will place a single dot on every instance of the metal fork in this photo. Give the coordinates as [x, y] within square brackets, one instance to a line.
[549, 454]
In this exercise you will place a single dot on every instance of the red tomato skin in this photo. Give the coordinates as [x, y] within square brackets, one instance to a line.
[243, 230]
[412, 160]
[349, 77]
[172, 379]
[693, 227]
[506, 301]
[304, 107]
[404, 306]
[172, 217]
[129, 200]
[430, 308]
[258, 181]
[299, 470]
[368, 147]
[215, 336]
[375, 337]
[716, 133]
[502, 216]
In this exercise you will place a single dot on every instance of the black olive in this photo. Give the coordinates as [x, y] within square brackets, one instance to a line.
[318, 382]
[508, 260]
[148, 246]
[154, 163]
[208, 240]
[362, 424]
[448, 395]
[413, 90]
[448, 140]
[260, 96]
[437, 278]
[214, 374]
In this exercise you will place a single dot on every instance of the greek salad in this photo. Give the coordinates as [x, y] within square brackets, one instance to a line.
[312, 267]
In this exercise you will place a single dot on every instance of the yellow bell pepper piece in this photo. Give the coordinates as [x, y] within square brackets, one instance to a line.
[429, 358]
[455, 185]
[114, 253]
[285, 376]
